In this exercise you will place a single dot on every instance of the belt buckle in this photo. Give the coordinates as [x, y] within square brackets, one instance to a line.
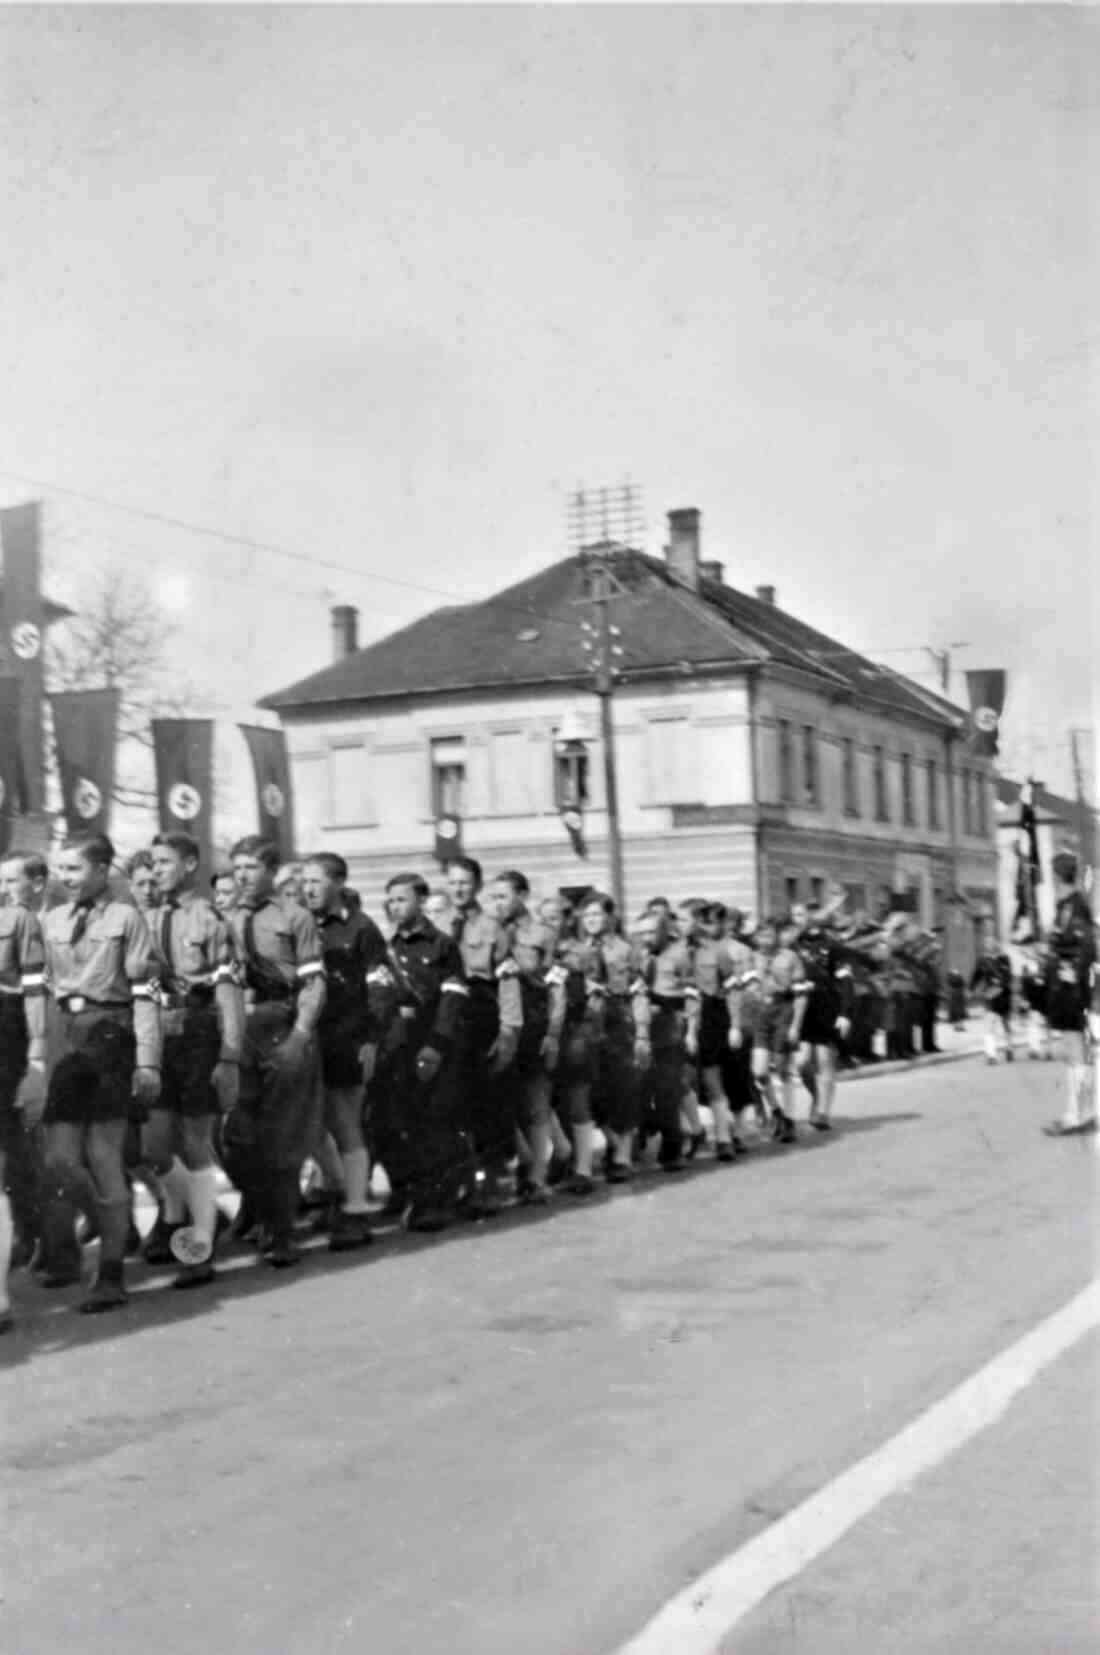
[76, 1002]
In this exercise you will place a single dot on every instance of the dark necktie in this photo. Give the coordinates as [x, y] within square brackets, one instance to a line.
[601, 960]
[458, 926]
[251, 952]
[80, 923]
[166, 930]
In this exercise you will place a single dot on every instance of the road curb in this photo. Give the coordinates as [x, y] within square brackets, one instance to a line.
[907, 1066]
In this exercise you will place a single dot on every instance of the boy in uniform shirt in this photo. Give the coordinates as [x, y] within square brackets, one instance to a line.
[607, 1011]
[352, 948]
[421, 996]
[102, 972]
[268, 1134]
[672, 1038]
[22, 1042]
[489, 1037]
[531, 950]
[202, 1019]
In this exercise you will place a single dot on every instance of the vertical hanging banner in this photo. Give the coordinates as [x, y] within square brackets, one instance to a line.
[987, 701]
[572, 820]
[85, 726]
[448, 838]
[10, 763]
[274, 802]
[24, 636]
[183, 751]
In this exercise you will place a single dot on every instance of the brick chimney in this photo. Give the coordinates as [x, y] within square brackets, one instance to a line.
[682, 551]
[766, 594]
[345, 631]
[711, 569]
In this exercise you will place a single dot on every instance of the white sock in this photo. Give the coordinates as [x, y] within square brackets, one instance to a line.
[356, 1176]
[7, 1232]
[177, 1189]
[559, 1139]
[723, 1118]
[584, 1143]
[203, 1201]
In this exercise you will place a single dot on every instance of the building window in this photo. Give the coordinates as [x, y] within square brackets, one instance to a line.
[817, 889]
[850, 779]
[570, 779]
[981, 798]
[792, 890]
[448, 777]
[348, 789]
[933, 794]
[673, 768]
[907, 814]
[809, 764]
[786, 763]
[856, 898]
[878, 771]
[964, 789]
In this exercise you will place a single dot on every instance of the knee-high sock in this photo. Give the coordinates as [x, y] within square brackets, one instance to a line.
[559, 1138]
[177, 1189]
[356, 1174]
[723, 1118]
[7, 1230]
[331, 1163]
[202, 1198]
[540, 1142]
[584, 1144]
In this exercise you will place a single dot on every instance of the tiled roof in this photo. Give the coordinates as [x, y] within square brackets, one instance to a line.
[530, 634]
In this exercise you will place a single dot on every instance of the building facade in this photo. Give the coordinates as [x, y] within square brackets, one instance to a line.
[756, 759]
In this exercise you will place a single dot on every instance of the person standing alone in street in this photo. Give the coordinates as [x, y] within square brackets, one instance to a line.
[1071, 972]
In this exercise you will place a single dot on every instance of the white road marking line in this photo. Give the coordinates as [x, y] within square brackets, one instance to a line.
[697, 1619]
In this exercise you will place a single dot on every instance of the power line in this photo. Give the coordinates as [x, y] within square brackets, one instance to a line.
[268, 547]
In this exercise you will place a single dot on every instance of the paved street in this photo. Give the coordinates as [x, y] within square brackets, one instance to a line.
[527, 1436]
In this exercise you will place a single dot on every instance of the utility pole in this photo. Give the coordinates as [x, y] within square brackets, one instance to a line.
[1087, 855]
[601, 640]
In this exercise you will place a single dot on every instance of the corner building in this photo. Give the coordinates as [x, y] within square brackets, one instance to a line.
[757, 758]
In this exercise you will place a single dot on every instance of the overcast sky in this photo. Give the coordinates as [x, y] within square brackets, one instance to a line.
[382, 285]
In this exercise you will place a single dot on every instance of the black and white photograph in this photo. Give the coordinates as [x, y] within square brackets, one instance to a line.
[549, 837]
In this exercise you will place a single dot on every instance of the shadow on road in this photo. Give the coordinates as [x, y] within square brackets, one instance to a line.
[48, 1321]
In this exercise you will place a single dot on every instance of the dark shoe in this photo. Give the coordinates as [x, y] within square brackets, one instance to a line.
[396, 1203]
[195, 1275]
[694, 1144]
[7, 1321]
[283, 1255]
[105, 1293]
[349, 1231]
[1058, 1129]
[789, 1132]
[822, 1123]
[725, 1153]
[536, 1195]
[245, 1223]
[133, 1240]
[581, 1184]
[158, 1243]
[425, 1219]
[619, 1173]
[559, 1169]
[61, 1273]
[483, 1199]
[674, 1164]
[1010, 1056]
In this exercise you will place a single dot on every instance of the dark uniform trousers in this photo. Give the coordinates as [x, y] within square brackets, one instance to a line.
[22, 1150]
[666, 1079]
[415, 1126]
[598, 1065]
[485, 1104]
[267, 1137]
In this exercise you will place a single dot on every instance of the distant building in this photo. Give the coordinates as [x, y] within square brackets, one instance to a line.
[758, 759]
